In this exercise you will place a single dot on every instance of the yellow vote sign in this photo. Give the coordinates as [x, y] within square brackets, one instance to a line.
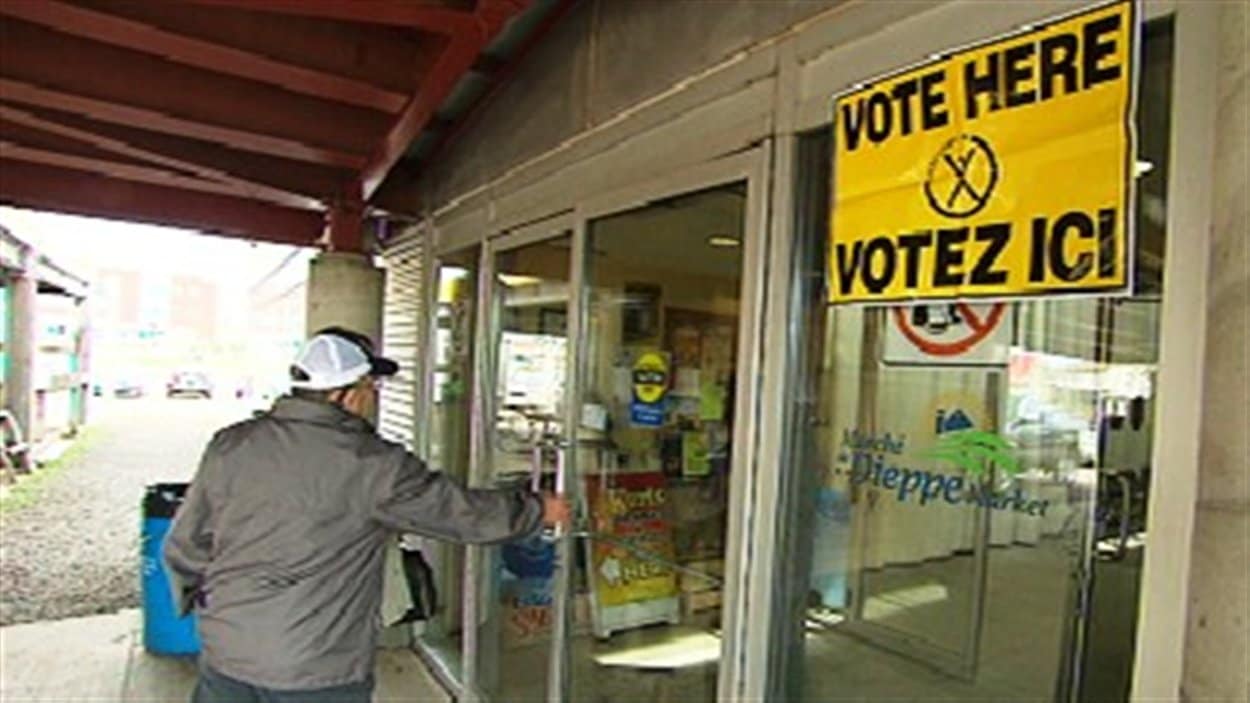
[1001, 170]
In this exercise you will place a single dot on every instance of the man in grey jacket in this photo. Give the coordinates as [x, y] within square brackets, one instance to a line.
[280, 542]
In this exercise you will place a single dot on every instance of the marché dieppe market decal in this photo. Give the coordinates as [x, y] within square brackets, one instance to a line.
[998, 171]
[877, 461]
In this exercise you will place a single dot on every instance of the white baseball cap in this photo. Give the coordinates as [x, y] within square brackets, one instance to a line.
[336, 358]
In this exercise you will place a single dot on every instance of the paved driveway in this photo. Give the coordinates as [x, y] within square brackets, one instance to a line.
[74, 551]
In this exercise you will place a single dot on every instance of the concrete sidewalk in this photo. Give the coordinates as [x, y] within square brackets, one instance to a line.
[101, 658]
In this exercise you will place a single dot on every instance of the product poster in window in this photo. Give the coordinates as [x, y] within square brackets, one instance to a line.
[998, 171]
[628, 564]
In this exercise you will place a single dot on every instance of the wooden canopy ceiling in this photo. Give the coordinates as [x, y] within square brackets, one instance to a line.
[262, 119]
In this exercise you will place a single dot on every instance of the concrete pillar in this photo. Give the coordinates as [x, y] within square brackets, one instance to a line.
[20, 343]
[1217, 644]
[345, 289]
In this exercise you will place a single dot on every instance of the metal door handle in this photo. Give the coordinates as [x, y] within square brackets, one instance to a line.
[548, 534]
[1126, 505]
[536, 468]
[557, 531]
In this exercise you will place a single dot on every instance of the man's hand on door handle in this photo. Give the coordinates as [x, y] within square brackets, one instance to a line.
[556, 511]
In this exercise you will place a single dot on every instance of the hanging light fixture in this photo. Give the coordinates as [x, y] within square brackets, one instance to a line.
[723, 241]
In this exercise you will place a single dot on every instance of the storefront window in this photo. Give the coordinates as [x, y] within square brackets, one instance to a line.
[654, 448]
[975, 530]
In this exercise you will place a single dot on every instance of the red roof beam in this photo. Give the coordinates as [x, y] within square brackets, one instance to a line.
[16, 124]
[289, 175]
[500, 76]
[490, 18]
[35, 137]
[44, 187]
[39, 56]
[421, 14]
[106, 111]
[109, 29]
[128, 171]
[392, 58]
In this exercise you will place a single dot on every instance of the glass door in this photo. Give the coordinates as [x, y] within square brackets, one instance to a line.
[977, 532]
[448, 437]
[655, 447]
[528, 359]
[917, 564]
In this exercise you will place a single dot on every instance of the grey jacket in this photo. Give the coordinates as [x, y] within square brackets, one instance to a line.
[280, 541]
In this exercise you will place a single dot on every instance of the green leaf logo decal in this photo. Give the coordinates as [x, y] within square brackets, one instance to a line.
[975, 451]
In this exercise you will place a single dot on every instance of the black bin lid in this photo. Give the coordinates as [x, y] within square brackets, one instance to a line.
[163, 499]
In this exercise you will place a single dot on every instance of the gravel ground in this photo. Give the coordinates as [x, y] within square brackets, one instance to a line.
[73, 551]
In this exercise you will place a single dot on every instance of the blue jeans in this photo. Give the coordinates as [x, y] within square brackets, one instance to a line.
[213, 687]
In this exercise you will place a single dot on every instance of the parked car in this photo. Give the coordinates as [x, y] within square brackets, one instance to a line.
[118, 388]
[190, 383]
[128, 388]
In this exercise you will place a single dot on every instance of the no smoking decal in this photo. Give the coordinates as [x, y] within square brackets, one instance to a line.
[948, 334]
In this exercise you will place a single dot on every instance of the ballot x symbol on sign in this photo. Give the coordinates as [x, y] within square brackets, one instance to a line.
[962, 177]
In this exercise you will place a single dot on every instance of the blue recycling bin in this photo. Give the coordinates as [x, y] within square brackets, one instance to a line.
[164, 631]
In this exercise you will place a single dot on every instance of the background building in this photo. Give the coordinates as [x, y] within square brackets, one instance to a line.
[44, 341]
[165, 301]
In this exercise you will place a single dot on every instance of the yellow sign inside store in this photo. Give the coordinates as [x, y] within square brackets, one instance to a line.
[998, 171]
[651, 377]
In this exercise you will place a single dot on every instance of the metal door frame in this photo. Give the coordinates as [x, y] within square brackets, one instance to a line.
[425, 405]
[485, 372]
[752, 168]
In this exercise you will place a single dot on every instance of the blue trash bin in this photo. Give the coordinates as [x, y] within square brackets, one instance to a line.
[164, 631]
